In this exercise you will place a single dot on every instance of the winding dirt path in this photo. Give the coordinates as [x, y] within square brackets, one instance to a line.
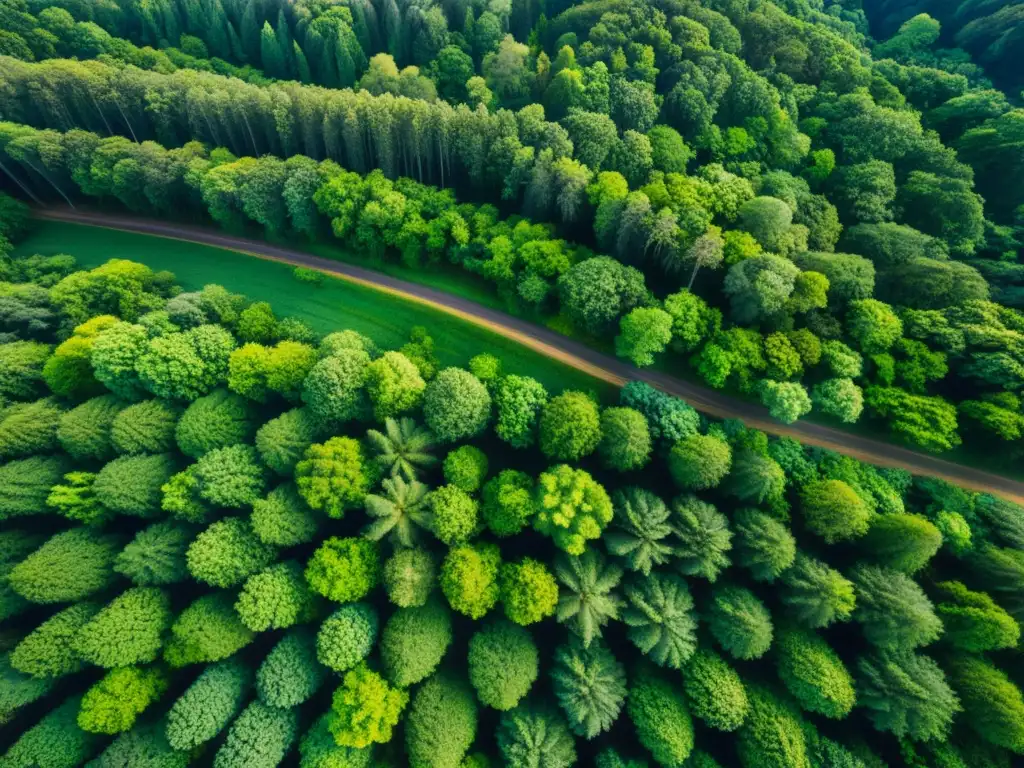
[570, 352]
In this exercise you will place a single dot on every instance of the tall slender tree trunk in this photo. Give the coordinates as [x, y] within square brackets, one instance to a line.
[24, 188]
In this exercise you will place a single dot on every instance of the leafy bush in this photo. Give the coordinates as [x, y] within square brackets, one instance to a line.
[25, 484]
[344, 570]
[698, 462]
[816, 595]
[902, 541]
[502, 663]
[365, 709]
[76, 500]
[276, 598]
[56, 741]
[282, 441]
[291, 673]
[207, 630]
[587, 601]
[529, 592]
[409, 577]
[570, 427]
[334, 476]
[113, 704]
[972, 621]
[131, 485]
[347, 636]
[318, 749]
[218, 420]
[640, 527]
[414, 642]
[129, 630]
[69, 566]
[209, 704]
[764, 546]
[590, 686]
[834, 511]
[453, 514]
[702, 539]
[145, 744]
[892, 609]
[469, 578]
[740, 622]
[660, 615]
[441, 724]
[465, 468]
[28, 428]
[814, 674]
[625, 439]
[714, 691]
[259, 738]
[507, 502]
[519, 401]
[660, 717]
[86, 432]
[283, 519]
[227, 553]
[334, 390]
[231, 477]
[49, 650]
[993, 705]
[771, 737]
[456, 405]
[572, 507]
[905, 694]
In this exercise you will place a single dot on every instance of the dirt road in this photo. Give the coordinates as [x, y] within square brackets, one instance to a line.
[572, 353]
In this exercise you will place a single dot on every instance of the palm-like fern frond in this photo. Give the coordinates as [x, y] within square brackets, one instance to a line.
[587, 601]
[400, 511]
[702, 538]
[640, 530]
[661, 619]
[403, 449]
[590, 685]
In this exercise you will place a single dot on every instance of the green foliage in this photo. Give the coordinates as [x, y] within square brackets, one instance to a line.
[318, 749]
[344, 570]
[755, 478]
[572, 507]
[112, 704]
[660, 615]
[276, 598]
[502, 663]
[786, 401]
[972, 621]
[590, 686]
[207, 630]
[639, 528]
[114, 353]
[454, 514]
[764, 546]
[181, 497]
[291, 673]
[507, 502]
[403, 449]
[146, 744]
[131, 485]
[906, 694]
[334, 390]
[714, 691]
[231, 477]
[334, 476]
[625, 439]
[409, 577]
[129, 630]
[902, 541]
[218, 420]
[48, 651]
[28, 428]
[394, 385]
[699, 462]
[660, 717]
[365, 709]
[814, 674]
[816, 595]
[21, 372]
[993, 705]
[414, 642]
[187, 365]
[69, 566]
[465, 468]
[227, 553]
[441, 724]
[771, 736]
[456, 405]
[209, 704]
[528, 591]
[282, 440]
[519, 401]
[75, 499]
[146, 427]
[892, 609]
[347, 636]
[740, 622]
[283, 519]
[702, 538]
[399, 513]
[86, 432]
[18, 689]
[56, 741]
[587, 602]
[643, 333]
[570, 427]
[834, 511]
[259, 738]
[532, 735]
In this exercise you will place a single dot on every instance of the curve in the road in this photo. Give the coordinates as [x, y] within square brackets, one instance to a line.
[571, 352]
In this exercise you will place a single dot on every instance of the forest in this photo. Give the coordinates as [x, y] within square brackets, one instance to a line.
[230, 539]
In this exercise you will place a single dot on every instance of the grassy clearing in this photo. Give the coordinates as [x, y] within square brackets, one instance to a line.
[334, 305]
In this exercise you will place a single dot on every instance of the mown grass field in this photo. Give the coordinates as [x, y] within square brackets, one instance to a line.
[334, 305]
